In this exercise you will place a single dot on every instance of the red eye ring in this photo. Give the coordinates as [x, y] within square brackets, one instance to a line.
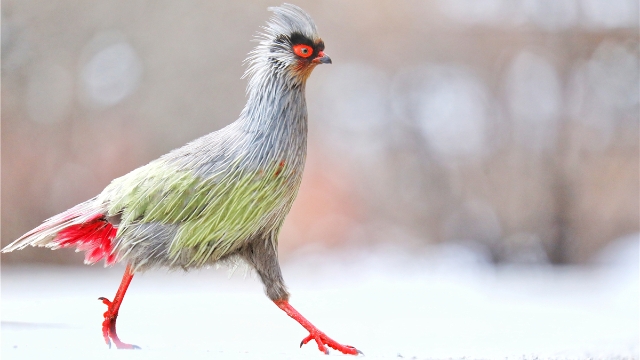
[302, 50]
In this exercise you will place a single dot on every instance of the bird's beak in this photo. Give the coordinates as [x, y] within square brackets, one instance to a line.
[322, 58]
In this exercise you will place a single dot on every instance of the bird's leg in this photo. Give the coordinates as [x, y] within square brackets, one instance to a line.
[262, 256]
[320, 338]
[110, 316]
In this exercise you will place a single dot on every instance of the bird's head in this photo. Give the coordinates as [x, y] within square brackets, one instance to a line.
[289, 45]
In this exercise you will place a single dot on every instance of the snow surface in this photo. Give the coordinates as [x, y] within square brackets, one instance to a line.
[390, 304]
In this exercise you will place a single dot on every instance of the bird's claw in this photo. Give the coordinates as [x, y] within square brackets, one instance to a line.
[105, 300]
[306, 340]
[322, 339]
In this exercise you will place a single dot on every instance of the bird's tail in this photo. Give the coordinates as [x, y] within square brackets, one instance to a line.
[84, 227]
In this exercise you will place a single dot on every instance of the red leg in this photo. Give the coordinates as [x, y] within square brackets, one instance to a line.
[110, 316]
[320, 338]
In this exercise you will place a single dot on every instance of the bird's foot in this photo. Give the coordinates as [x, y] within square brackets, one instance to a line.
[318, 336]
[109, 326]
[322, 339]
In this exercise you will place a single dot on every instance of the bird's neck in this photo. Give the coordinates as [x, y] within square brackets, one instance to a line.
[276, 106]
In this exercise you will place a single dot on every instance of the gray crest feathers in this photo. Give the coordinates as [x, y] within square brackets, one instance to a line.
[288, 19]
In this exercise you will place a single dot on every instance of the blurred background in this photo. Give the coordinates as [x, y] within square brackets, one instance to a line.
[506, 127]
[472, 181]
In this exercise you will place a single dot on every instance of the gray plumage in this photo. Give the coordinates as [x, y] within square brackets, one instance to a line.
[225, 195]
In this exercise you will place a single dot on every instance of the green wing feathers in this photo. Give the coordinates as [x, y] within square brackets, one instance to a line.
[215, 214]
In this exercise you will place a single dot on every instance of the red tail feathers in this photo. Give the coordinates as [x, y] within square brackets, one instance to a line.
[93, 236]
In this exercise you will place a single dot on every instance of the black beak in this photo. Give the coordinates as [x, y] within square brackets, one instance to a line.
[324, 59]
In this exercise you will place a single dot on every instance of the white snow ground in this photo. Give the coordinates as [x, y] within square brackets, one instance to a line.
[389, 304]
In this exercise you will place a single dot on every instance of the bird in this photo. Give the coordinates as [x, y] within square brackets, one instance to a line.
[219, 199]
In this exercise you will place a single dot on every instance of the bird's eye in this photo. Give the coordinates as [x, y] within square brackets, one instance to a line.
[302, 50]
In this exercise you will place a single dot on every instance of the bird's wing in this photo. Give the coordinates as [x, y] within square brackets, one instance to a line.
[209, 215]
